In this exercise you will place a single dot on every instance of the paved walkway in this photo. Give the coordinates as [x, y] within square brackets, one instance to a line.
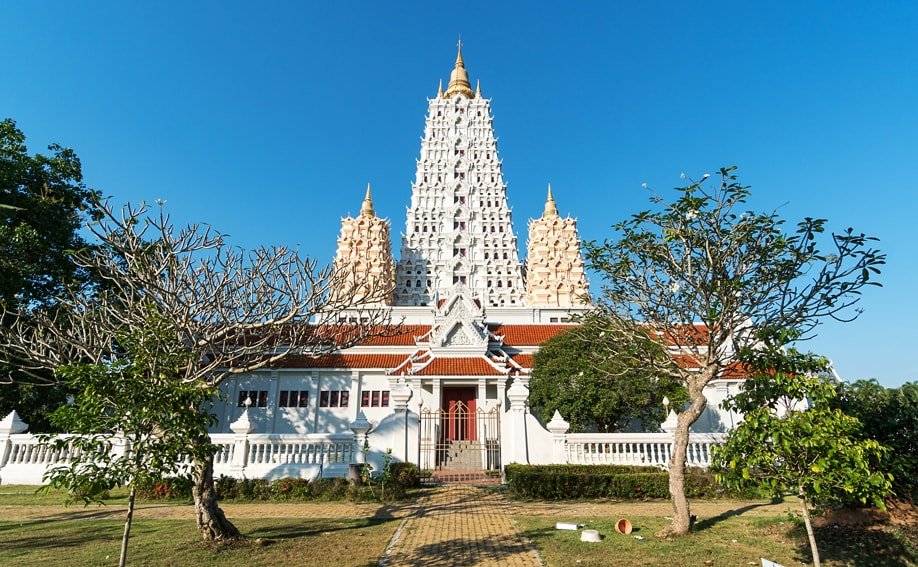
[460, 525]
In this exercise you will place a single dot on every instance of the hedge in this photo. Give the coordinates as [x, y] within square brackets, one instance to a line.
[402, 476]
[557, 482]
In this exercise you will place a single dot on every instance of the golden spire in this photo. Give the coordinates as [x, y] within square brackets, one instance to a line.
[551, 209]
[459, 79]
[367, 207]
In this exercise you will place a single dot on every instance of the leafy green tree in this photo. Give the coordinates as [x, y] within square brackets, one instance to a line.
[132, 416]
[43, 203]
[702, 273]
[817, 454]
[574, 374]
[890, 416]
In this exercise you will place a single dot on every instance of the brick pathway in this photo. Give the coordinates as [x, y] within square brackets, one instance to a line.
[459, 525]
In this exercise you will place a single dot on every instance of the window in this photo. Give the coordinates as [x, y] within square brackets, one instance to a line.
[259, 398]
[293, 399]
[334, 398]
[374, 399]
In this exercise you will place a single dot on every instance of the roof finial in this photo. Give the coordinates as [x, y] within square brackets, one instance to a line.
[367, 207]
[551, 209]
[478, 88]
[459, 78]
[440, 89]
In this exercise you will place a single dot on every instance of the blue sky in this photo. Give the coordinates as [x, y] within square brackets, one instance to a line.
[267, 122]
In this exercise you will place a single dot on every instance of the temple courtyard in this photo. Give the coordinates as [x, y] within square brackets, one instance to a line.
[457, 525]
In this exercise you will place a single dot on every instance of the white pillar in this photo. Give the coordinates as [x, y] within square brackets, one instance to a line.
[518, 451]
[558, 428]
[9, 425]
[242, 427]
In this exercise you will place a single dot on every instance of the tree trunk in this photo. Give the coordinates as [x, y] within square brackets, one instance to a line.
[809, 529]
[211, 522]
[122, 560]
[682, 516]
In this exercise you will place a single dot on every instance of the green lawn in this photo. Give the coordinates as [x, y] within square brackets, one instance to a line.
[287, 541]
[733, 540]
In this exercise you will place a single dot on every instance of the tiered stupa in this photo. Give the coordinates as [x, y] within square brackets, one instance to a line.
[554, 267]
[363, 265]
[459, 229]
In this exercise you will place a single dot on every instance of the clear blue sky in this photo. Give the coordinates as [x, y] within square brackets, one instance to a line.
[267, 122]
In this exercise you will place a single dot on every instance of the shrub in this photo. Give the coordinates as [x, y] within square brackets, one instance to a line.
[405, 475]
[291, 489]
[166, 488]
[556, 482]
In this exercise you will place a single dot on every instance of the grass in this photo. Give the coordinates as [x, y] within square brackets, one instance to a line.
[722, 541]
[26, 495]
[285, 541]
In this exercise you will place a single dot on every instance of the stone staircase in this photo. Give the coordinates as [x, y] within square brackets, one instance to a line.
[462, 456]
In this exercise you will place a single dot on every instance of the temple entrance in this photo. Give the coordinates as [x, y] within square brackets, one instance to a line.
[460, 442]
[459, 405]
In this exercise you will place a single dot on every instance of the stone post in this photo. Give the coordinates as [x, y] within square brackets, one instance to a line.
[9, 425]
[360, 426]
[517, 394]
[558, 428]
[242, 427]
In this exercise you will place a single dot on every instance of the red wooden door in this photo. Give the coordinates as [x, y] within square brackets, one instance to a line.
[459, 413]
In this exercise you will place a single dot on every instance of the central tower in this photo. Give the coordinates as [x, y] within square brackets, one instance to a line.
[458, 228]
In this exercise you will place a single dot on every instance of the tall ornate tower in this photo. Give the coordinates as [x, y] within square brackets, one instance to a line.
[459, 227]
[363, 265]
[554, 266]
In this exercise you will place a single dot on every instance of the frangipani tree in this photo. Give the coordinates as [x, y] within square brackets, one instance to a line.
[233, 312]
[700, 273]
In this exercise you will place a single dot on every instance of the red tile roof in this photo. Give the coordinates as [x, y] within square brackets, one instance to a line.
[528, 335]
[735, 371]
[343, 361]
[396, 335]
[471, 366]
[524, 360]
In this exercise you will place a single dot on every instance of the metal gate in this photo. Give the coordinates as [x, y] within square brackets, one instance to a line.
[459, 439]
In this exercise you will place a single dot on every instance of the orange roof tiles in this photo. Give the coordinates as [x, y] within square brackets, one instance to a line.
[524, 360]
[528, 335]
[397, 335]
[472, 366]
[343, 361]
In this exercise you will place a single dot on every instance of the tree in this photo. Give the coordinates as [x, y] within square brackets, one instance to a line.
[889, 416]
[699, 274]
[233, 311]
[43, 204]
[817, 454]
[574, 375]
[137, 402]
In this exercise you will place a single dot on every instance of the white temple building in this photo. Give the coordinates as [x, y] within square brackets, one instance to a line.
[450, 391]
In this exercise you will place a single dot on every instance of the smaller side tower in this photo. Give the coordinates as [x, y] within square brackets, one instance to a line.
[554, 267]
[364, 268]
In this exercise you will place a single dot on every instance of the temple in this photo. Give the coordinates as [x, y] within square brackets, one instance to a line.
[449, 390]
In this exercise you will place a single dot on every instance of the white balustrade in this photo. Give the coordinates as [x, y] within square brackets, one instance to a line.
[652, 449]
[24, 459]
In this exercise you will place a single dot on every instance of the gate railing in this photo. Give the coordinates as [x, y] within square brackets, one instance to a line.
[459, 439]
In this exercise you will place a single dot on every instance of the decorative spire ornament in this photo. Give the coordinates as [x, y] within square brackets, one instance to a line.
[459, 79]
[551, 209]
[366, 209]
